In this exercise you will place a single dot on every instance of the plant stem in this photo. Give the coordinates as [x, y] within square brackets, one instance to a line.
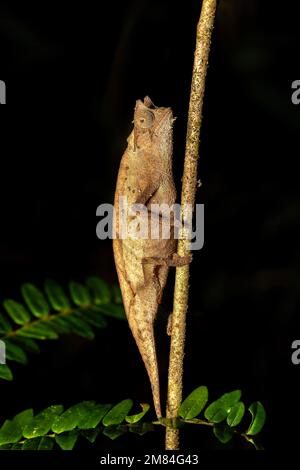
[189, 185]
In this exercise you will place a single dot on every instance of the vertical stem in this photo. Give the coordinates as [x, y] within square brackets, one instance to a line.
[189, 185]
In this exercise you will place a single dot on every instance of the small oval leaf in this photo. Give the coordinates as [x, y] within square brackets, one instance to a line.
[5, 372]
[72, 416]
[137, 417]
[39, 330]
[56, 295]
[60, 325]
[5, 326]
[80, 294]
[16, 311]
[67, 440]
[79, 326]
[100, 290]
[223, 433]
[91, 434]
[113, 432]
[15, 353]
[41, 424]
[24, 417]
[94, 317]
[93, 416]
[236, 414]
[118, 413]
[35, 300]
[28, 344]
[215, 414]
[258, 418]
[10, 432]
[218, 410]
[194, 403]
[46, 443]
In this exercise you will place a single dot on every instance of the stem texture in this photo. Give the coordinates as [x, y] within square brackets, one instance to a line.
[189, 186]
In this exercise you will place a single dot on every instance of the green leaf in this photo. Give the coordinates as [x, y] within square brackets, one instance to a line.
[100, 291]
[5, 326]
[113, 432]
[112, 310]
[24, 418]
[90, 434]
[256, 444]
[258, 418]
[38, 443]
[79, 326]
[194, 403]
[67, 440]
[72, 416]
[15, 353]
[10, 432]
[16, 311]
[35, 300]
[55, 293]
[6, 447]
[31, 444]
[94, 317]
[5, 372]
[215, 414]
[236, 414]
[26, 343]
[90, 418]
[46, 443]
[73, 323]
[40, 330]
[141, 428]
[80, 294]
[230, 398]
[118, 413]
[60, 324]
[137, 417]
[17, 446]
[41, 423]
[223, 433]
[218, 410]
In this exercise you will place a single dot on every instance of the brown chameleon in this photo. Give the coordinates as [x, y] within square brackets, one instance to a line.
[145, 177]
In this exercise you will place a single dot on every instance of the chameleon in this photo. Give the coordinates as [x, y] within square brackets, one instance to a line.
[145, 177]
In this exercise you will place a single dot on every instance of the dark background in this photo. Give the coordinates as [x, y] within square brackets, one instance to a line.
[73, 74]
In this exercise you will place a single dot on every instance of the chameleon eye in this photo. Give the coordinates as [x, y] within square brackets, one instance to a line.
[145, 119]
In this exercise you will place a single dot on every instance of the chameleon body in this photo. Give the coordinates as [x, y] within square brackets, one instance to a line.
[145, 177]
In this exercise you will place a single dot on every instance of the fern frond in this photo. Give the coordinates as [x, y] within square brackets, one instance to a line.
[54, 427]
[49, 314]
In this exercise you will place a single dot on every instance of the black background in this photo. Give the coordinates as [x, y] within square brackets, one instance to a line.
[73, 73]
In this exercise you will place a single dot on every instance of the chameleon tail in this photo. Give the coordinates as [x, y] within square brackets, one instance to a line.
[144, 336]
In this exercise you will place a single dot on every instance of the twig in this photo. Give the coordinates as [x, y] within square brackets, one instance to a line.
[189, 184]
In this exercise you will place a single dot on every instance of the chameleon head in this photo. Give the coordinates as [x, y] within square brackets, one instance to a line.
[151, 121]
